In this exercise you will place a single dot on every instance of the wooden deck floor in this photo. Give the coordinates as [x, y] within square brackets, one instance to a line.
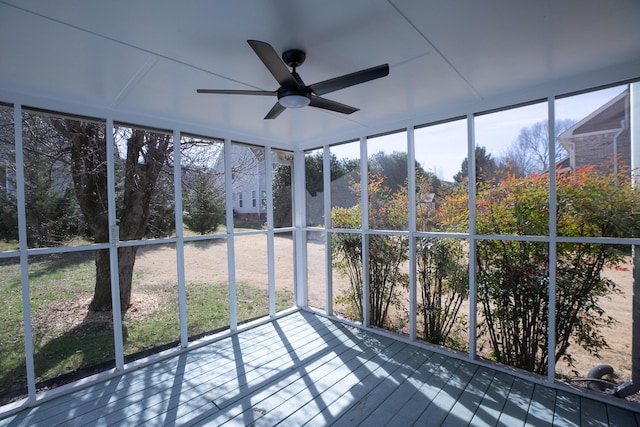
[304, 369]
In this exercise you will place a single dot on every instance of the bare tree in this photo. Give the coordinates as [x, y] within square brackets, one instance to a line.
[146, 154]
[530, 152]
[66, 161]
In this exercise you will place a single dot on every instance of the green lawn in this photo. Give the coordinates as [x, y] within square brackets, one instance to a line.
[59, 285]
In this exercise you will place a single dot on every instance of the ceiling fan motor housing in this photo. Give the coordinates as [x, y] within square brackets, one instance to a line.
[293, 57]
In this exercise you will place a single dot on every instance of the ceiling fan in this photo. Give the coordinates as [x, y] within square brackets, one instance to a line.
[293, 93]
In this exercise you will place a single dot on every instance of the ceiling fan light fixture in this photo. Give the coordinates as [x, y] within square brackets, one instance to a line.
[294, 101]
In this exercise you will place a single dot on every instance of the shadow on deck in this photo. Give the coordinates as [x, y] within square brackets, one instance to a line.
[307, 369]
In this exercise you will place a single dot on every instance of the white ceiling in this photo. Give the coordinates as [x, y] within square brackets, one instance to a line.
[143, 60]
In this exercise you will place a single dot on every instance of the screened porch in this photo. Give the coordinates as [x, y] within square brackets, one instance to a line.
[461, 249]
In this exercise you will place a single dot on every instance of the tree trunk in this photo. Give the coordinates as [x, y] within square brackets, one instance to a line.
[147, 154]
[102, 294]
[126, 262]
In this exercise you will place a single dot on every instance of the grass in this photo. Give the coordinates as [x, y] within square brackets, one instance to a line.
[58, 286]
[11, 331]
[10, 245]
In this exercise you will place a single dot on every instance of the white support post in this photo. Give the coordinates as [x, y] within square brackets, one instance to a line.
[411, 178]
[551, 342]
[364, 203]
[24, 259]
[299, 223]
[182, 287]
[326, 180]
[471, 150]
[231, 261]
[270, 235]
[114, 240]
[634, 129]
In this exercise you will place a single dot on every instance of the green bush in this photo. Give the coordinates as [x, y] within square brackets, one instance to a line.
[513, 275]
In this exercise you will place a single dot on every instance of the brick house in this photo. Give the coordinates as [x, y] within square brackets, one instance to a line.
[603, 138]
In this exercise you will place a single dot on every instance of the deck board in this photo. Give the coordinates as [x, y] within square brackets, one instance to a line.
[309, 382]
[278, 400]
[567, 410]
[493, 401]
[411, 410]
[327, 397]
[619, 417]
[516, 408]
[372, 408]
[440, 406]
[542, 407]
[120, 391]
[236, 378]
[387, 410]
[465, 407]
[306, 369]
[379, 375]
[593, 414]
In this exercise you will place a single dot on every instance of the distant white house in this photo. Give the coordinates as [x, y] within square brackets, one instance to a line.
[249, 180]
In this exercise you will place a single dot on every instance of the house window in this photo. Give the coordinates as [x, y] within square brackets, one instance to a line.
[263, 200]
[240, 199]
[254, 201]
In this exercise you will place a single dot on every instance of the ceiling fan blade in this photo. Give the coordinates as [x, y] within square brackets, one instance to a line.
[237, 92]
[352, 79]
[275, 111]
[272, 61]
[327, 104]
